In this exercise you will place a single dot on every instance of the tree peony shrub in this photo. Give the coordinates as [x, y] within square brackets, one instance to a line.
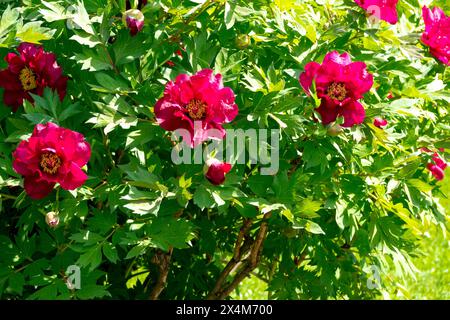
[293, 141]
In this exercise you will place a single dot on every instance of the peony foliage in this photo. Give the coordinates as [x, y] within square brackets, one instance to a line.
[93, 203]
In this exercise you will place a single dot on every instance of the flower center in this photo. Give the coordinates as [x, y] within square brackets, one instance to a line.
[196, 109]
[50, 162]
[337, 91]
[27, 79]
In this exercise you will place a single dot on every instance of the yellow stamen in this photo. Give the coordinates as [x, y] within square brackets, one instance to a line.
[50, 162]
[337, 91]
[196, 109]
[27, 79]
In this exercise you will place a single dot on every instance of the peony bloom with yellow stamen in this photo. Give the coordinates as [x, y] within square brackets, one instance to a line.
[30, 71]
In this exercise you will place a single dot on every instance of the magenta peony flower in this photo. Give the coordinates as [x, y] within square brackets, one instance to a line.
[437, 168]
[382, 9]
[437, 33]
[198, 104]
[379, 122]
[134, 20]
[216, 171]
[340, 83]
[30, 72]
[51, 155]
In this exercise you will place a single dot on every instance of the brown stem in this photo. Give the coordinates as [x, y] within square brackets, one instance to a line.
[248, 264]
[244, 230]
[231, 265]
[161, 259]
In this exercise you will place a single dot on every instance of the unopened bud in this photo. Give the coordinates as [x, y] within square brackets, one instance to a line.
[134, 20]
[52, 219]
[334, 130]
[242, 41]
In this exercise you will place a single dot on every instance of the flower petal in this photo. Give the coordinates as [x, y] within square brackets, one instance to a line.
[307, 77]
[328, 111]
[353, 113]
[357, 80]
[73, 179]
[36, 188]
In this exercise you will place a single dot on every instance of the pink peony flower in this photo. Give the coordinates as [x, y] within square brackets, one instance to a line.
[216, 171]
[340, 83]
[437, 33]
[199, 104]
[381, 9]
[30, 72]
[379, 122]
[51, 155]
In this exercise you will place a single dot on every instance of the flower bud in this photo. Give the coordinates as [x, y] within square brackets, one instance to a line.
[216, 170]
[334, 130]
[242, 41]
[134, 20]
[52, 219]
[379, 122]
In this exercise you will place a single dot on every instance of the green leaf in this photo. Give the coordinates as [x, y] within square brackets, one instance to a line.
[16, 283]
[81, 18]
[420, 185]
[260, 184]
[46, 293]
[308, 225]
[168, 232]
[203, 198]
[144, 207]
[139, 249]
[91, 291]
[32, 32]
[127, 49]
[111, 84]
[110, 252]
[86, 40]
[8, 22]
[92, 258]
[92, 60]
[308, 208]
[70, 111]
[230, 17]
[54, 11]
[140, 176]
